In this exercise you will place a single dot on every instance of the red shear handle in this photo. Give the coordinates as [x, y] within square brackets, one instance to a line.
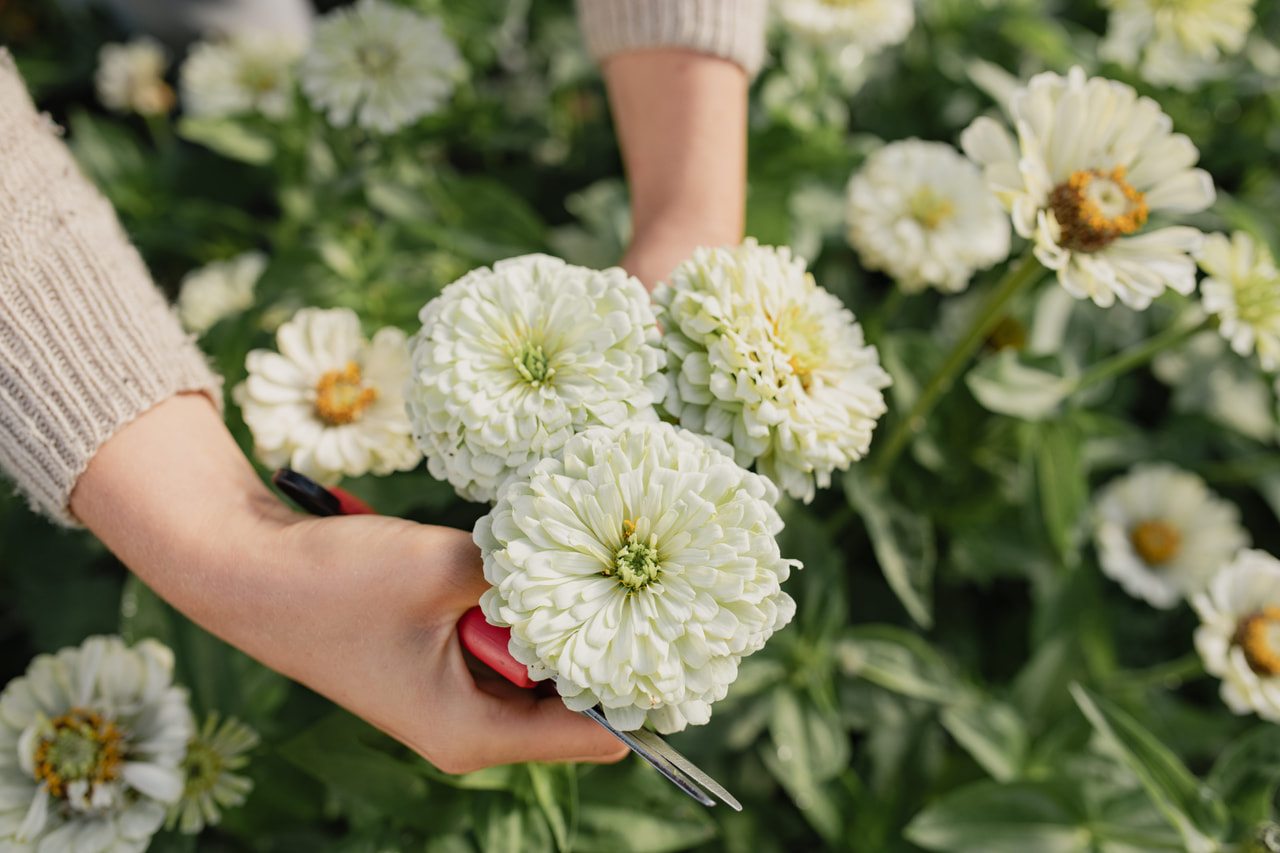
[489, 643]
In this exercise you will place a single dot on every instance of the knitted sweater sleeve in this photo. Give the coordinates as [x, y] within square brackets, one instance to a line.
[731, 29]
[87, 343]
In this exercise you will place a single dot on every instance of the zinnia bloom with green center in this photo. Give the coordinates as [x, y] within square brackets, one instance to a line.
[91, 745]
[1243, 290]
[512, 361]
[637, 570]
[762, 357]
[213, 753]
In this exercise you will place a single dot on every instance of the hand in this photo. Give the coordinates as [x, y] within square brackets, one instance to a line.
[362, 609]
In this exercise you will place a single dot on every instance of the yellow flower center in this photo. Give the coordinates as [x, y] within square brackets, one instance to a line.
[342, 397]
[533, 364]
[635, 563]
[201, 767]
[800, 336]
[1258, 636]
[78, 746]
[929, 208]
[1095, 208]
[1258, 295]
[1156, 541]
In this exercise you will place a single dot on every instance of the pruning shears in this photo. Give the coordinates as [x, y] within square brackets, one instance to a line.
[489, 644]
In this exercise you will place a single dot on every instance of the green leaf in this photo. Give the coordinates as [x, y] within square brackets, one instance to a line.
[620, 829]
[1247, 774]
[992, 732]
[903, 542]
[1064, 490]
[807, 750]
[1199, 814]
[992, 818]
[229, 137]
[507, 825]
[555, 790]
[901, 661]
[1007, 384]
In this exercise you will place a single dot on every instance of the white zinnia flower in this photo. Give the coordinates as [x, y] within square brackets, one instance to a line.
[250, 71]
[637, 571]
[130, 77]
[871, 25]
[1175, 44]
[1091, 162]
[380, 64]
[219, 290]
[922, 213]
[1239, 634]
[329, 404]
[512, 361]
[212, 754]
[1161, 533]
[91, 745]
[761, 356]
[1243, 290]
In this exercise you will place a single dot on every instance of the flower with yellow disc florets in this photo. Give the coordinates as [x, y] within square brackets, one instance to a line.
[1092, 165]
[1239, 634]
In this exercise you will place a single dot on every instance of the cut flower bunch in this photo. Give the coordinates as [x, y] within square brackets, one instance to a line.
[996, 362]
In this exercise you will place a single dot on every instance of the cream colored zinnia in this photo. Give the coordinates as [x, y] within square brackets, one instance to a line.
[330, 403]
[1242, 289]
[512, 361]
[1091, 164]
[1161, 533]
[91, 745]
[1239, 634]
[130, 77]
[246, 72]
[762, 357]
[1175, 42]
[922, 213]
[637, 570]
[871, 25]
[219, 290]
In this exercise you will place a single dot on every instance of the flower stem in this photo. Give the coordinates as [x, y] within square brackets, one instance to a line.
[1165, 675]
[1018, 276]
[1140, 354]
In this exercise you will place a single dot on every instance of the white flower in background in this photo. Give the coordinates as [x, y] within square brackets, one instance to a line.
[212, 754]
[1175, 44]
[762, 357]
[922, 213]
[219, 290]
[1204, 377]
[1091, 163]
[383, 65]
[330, 403]
[637, 571]
[1161, 533]
[1239, 634]
[130, 77]
[91, 745]
[250, 71]
[512, 361]
[1243, 290]
[871, 25]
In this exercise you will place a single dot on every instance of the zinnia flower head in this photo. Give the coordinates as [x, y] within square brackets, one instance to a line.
[871, 25]
[219, 290]
[213, 753]
[130, 77]
[1175, 43]
[637, 571]
[91, 745]
[383, 65]
[762, 357]
[1239, 634]
[512, 361]
[922, 213]
[1092, 163]
[330, 403]
[1243, 290]
[249, 71]
[1161, 533]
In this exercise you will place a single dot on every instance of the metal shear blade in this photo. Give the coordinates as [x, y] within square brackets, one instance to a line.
[664, 758]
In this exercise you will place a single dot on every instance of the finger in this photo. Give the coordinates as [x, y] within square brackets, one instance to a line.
[543, 729]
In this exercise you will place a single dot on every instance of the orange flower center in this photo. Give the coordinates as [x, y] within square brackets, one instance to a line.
[1095, 208]
[82, 746]
[1156, 541]
[342, 396]
[1258, 636]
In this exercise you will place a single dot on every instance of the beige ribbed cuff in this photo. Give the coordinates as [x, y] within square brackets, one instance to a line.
[730, 29]
[87, 343]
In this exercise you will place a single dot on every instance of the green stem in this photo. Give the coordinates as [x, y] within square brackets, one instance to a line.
[1166, 675]
[1140, 354]
[1018, 276]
